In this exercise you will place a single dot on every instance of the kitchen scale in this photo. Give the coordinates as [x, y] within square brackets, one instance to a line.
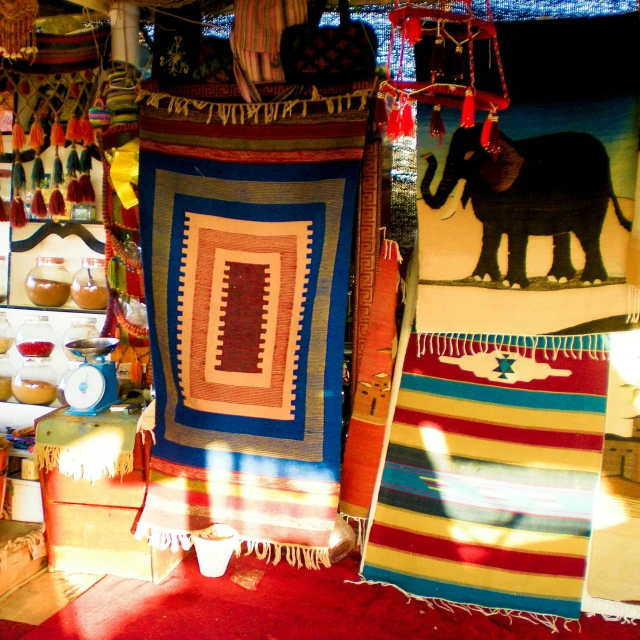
[93, 387]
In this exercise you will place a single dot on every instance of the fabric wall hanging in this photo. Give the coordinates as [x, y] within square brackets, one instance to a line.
[17, 39]
[490, 476]
[246, 234]
[533, 238]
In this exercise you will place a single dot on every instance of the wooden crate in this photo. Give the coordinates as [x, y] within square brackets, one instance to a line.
[20, 564]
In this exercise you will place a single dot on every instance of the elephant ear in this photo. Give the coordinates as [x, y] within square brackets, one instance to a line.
[501, 172]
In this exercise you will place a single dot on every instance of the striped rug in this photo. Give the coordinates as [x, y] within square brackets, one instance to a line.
[488, 486]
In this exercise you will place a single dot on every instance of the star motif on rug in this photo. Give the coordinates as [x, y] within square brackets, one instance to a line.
[504, 366]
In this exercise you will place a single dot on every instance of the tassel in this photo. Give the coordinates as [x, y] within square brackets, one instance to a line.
[17, 137]
[3, 211]
[57, 134]
[436, 124]
[37, 172]
[490, 137]
[468, 110]
[73, 162]
[85, 160]
[18, 213]
[88, 135]
[19, 180]
[457, 67]
[406, 120]
[73, 191]
[56, 203]
[36, 135]
[87, 194]
[413, 30]
[436, 64]
[393, 124]
[38, 206]
[73, 130]
[57, 175]
[135, 372]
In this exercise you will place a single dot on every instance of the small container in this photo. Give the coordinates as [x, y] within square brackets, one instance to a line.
[7, 371]
[62, 382]
[81, 327]
[3, 279]
[35, 338]
[48, 284]
[35, 382]
[89, 287]
[7, 336]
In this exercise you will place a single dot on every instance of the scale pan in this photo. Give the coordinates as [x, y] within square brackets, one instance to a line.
[92, 347]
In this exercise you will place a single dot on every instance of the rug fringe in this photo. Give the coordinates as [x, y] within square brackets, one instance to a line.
[633, 306]
[163, 539]
[32, 540]
[362, 528]
[295, 555]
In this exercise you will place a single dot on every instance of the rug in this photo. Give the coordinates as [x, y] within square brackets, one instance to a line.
[534, 239]
[490, 475]
[246, 217]
[365, 436]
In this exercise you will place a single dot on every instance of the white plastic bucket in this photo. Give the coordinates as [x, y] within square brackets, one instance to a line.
[214, 547]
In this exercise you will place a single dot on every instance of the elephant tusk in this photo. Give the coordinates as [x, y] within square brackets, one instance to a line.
[452, 207]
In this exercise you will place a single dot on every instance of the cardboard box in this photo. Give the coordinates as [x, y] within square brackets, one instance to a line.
[24, 499]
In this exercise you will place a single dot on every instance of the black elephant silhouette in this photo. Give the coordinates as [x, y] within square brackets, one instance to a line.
[549, 185]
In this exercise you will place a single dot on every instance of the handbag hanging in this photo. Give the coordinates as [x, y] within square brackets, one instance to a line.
[329, 55]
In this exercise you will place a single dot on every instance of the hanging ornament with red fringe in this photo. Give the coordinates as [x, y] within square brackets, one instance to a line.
[436, 124]
[17, 29]
[490, 136]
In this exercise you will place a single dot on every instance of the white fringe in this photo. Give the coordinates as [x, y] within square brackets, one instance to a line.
[162, 539]
[633, 305]
[295, 555]
[362, 528]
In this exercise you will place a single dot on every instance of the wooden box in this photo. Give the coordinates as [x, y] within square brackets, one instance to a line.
[20, 564]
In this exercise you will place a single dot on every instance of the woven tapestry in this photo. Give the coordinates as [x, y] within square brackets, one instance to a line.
[533, 239]
[246, 240]
[490, 476]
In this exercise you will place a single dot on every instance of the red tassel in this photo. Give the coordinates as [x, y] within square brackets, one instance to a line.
[406, 120]
[36, 135]
[38, 206]
[88, 136]
[3, 211]
[73, 191]
[436, 63]
[18, 138]
[468, 110]
[490, 137]
[18, 213]
[413, 30]
[393, 124]
[56, 203]
[457, 67]
[73, 130]
[437, 124]
[57, 134]
[135, 373]
[87, 194]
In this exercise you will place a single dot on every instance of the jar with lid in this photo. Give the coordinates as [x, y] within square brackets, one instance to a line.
[3, 279]
[62, 382]
[6, 333]
[82, 327]
[89, 286]
[7, 370]
[48, 284]
[35, 338]
[35, 382]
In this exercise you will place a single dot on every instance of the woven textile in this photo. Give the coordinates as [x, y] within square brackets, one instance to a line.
[365, 438]
[246, 234]
[489, 480]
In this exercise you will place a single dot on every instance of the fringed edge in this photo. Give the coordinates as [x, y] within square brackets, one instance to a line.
[594, 345]
[33, 540]
[161, 538]
[73, 462]
[361, 523]
[547, 620]
[238, 113]
[296, 555]
[633, 305]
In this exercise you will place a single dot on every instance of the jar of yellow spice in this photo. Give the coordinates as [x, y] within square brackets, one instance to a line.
[36, 382]
[7, 334]
[6, 374]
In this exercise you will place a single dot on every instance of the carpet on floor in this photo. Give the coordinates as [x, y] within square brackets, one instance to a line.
[288, 604]
[10, 630]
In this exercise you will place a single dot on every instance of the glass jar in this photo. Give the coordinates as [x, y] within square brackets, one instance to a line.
[3, 279]
[6, 333]
[62, 382]
[35, 338]
[35, 382]
[48, 284]
[89, 287]
[82, 327]
[7, 370]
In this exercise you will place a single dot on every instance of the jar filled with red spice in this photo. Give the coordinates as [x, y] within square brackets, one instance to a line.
[48, 284]
[89, 286]
[35, 338]
[35, 382]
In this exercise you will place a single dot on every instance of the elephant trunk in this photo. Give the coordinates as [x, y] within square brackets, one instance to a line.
[447, 183]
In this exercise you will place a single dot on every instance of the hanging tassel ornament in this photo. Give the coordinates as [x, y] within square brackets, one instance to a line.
[87, 193]
[490, 136]
[436, 124]
[3, 211]
[38, 205]
[85, 160]
[407, 126]
[436, 63]
[36, 135]
[393, 123]
[18, 138]
[74, 133]
[74, 193]
[18, 213]
[413, 30]
[88, 135]
[57, 134]
[56, 203]
[37, 171]
[468, 110]
[17, 36]
[73, 162]
[457, 66]
[18, 178]
[57, 175]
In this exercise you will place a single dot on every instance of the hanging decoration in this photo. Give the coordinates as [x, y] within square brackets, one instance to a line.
[17, 29]
[450, 30]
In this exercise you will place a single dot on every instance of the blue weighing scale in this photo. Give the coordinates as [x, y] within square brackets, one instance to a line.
[93, 387]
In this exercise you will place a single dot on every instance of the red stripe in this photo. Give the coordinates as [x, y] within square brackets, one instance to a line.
[488, 431]
[588, 376]
[254, 157]
[476, 554]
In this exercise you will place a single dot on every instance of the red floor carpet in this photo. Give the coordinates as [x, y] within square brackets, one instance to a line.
[289, 604]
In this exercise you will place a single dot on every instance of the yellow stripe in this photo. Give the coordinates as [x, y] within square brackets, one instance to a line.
[243, 491]
[434, 441]
[547, 420]
[468, 575]
[468, 532]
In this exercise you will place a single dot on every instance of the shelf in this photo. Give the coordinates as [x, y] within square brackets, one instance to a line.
[24, 307]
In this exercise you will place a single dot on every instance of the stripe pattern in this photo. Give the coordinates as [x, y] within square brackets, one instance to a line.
[487, 492]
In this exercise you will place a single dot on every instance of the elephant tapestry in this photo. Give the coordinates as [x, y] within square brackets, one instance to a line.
[534, 239]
